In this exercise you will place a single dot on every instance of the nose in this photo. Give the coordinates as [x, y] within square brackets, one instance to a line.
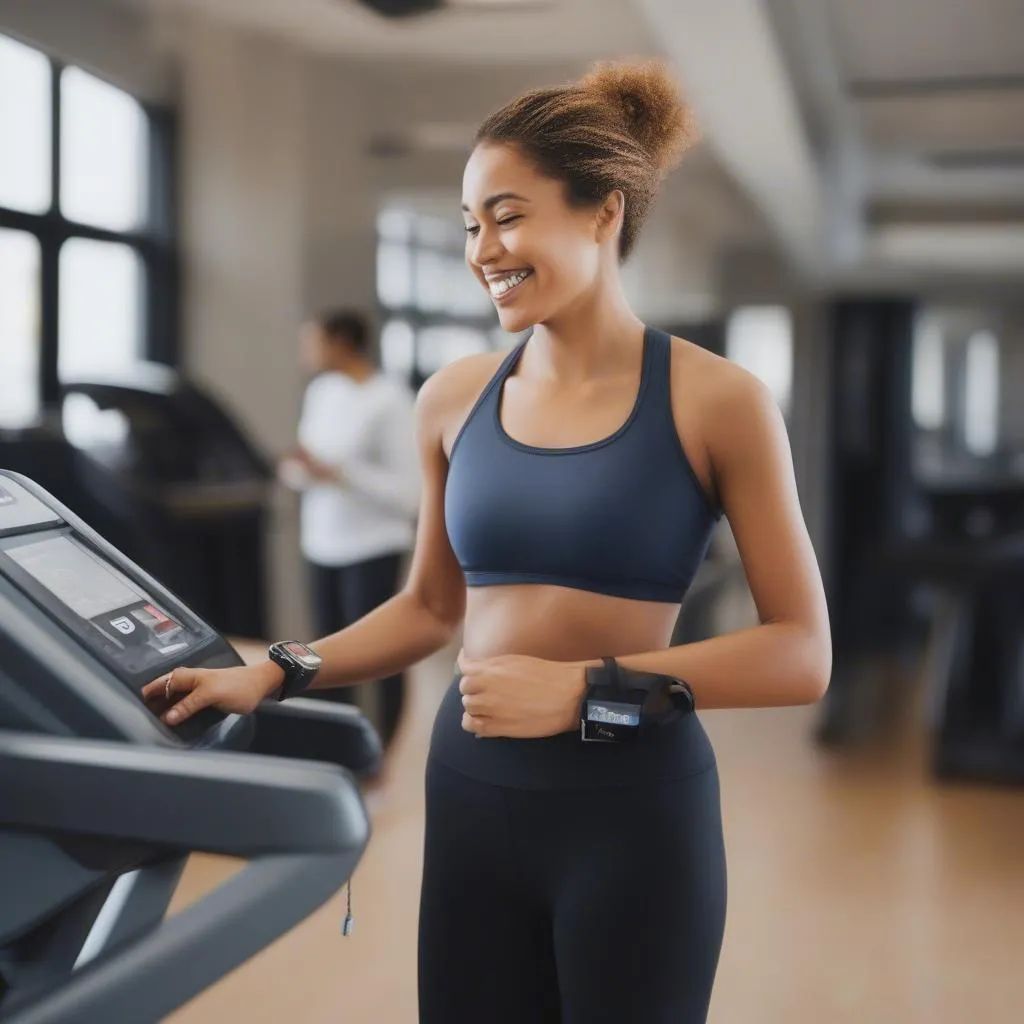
[485, 248]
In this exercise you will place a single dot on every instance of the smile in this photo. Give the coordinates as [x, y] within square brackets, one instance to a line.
[502, 287]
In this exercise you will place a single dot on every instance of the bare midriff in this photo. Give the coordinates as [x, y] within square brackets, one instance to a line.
[562, 624]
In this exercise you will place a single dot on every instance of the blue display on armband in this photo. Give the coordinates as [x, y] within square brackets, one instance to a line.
[619, 702]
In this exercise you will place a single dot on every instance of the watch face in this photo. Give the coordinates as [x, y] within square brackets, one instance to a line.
[305, 656]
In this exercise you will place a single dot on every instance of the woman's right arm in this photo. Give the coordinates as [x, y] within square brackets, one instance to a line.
[421, 619]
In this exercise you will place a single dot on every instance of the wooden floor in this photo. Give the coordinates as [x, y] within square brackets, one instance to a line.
[858, 892]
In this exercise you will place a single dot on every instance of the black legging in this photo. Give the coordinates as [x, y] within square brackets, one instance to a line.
[601, 905]
[342, 595]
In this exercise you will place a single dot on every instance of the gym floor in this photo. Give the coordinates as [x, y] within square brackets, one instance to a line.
[859, 890]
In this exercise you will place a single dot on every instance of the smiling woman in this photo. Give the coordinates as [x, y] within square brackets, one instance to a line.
[616, 133]
[570, 490]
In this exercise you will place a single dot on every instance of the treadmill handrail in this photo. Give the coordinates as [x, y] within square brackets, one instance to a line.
[211, 801]
[318, 730]
[143, 981]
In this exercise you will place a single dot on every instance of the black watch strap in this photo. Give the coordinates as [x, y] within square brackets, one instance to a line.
[299, 663]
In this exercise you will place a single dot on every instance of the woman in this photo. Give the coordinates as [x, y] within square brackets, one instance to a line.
[570, 490]
[356, 467]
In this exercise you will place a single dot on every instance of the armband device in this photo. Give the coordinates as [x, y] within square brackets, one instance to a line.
[620, 703]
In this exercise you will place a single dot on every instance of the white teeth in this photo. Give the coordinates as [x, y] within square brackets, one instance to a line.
[499, 288]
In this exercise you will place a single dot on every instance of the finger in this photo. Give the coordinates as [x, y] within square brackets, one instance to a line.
[189, 705]
[471, 684]
[193, 701]
[475, 724]
[156, 688]
[181, 681]
[476, 704]
[178, 683]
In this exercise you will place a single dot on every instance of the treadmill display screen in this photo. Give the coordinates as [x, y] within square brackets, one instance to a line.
[137, 632]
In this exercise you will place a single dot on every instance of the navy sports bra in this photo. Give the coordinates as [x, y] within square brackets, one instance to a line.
[624, 516]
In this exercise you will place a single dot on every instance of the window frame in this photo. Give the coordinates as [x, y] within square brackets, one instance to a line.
[413, 314]
[155, 241]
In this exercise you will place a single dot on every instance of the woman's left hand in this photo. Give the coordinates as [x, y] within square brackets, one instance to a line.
[518, 696]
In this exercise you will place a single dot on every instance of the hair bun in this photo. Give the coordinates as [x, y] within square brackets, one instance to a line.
[651, 105]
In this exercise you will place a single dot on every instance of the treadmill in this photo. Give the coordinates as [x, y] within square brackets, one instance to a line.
[101, 803]
[187, 492]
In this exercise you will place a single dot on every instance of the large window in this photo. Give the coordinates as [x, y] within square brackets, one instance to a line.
[760, 339]
[25, 128]
[19, 326]
[981, 393]
[955, 390]
[435, 311]
[86, 241]
[928, 375]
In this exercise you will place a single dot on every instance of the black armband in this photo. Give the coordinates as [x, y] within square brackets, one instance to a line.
[619, 702]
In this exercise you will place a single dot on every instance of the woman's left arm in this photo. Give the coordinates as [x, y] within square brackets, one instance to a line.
[786, 658]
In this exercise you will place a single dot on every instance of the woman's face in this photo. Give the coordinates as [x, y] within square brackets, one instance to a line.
[535, 254]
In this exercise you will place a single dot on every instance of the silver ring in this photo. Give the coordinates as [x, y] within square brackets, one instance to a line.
[167, 685]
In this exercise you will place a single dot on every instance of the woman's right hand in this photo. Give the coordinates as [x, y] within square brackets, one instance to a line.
[185, 691]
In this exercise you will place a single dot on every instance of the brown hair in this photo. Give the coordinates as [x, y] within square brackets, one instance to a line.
[347, 326]
[622, 126]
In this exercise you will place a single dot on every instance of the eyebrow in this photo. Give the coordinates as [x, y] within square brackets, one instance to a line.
[491, 201]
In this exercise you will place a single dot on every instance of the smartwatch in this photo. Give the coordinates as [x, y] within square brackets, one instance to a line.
[300, 664]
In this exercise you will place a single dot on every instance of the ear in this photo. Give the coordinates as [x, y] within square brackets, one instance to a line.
[609, 216]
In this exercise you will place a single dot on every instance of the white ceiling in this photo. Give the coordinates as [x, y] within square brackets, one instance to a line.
[947, 122]
[571, 29]
[921, 122]
[425, 108]
[841, 126]
[911, 40]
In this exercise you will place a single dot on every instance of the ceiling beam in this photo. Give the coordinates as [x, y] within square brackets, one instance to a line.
[735, 76]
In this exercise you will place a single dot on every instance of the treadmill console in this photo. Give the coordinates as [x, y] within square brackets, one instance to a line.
[128, 629]
[99, 602]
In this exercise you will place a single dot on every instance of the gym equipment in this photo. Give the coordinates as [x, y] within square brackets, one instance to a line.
[101, 803]
[947, 528]
[155, 465]
[870, 491]
[972, 560]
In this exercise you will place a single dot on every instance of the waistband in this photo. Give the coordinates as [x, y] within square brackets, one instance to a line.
[664, 753]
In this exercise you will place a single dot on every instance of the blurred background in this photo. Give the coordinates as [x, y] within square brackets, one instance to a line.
[184, 182]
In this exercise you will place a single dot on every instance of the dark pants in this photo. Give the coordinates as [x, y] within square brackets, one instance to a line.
[574, 906]
[343, 595]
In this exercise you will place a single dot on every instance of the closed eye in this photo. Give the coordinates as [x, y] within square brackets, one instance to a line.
[474, 229]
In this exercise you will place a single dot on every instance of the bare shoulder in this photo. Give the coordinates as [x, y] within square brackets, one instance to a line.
[733, 414]
[717, 390]
[719, 408]
[447, 396]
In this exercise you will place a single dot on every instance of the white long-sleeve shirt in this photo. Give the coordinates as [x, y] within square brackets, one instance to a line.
[365, 429]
